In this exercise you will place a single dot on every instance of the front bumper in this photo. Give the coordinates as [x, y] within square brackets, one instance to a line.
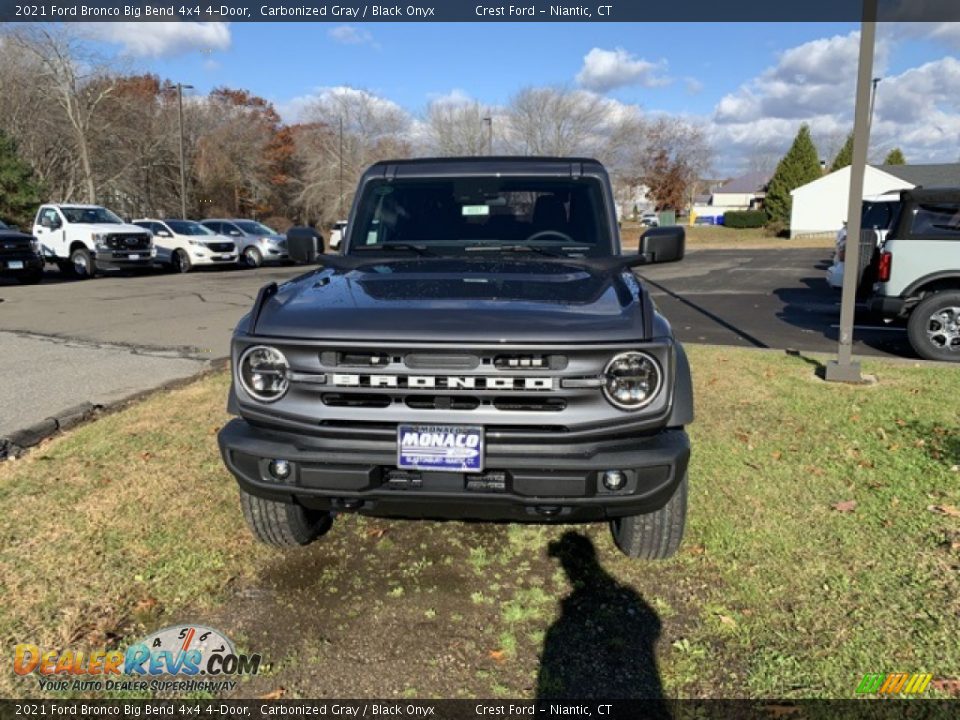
[536, 487]
[30, 262]
[213, 258]
[124, 259]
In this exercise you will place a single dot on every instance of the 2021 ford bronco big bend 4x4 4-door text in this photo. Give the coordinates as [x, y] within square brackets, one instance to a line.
[481, 350]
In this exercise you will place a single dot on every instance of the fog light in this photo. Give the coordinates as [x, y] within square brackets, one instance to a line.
[614, 479]
[279, 469]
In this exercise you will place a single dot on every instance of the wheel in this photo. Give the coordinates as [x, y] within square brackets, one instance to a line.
[81, 264]
[180, 262]
[283, 524]
[656, 535]
[252, 257]
[934, 327]
[31, 277]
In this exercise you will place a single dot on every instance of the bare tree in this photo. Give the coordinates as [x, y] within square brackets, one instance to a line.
[372, 129]
[458, 128]
[673, 156]
[78, 80]
[553, 121]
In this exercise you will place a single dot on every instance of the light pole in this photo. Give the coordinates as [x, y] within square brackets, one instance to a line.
[488, 121]
[873, 99]
[340, 193]
[183, 164]
[844, 368]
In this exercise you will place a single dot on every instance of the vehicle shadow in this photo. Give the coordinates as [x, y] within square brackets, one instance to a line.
[603, 645]
[814, 307]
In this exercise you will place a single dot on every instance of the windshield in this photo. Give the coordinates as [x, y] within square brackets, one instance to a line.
[90, 216]
[460, 215]
[188, 227]
[251, 227]
[3, 225]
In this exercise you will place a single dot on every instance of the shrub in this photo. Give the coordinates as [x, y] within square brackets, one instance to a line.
[744, 218]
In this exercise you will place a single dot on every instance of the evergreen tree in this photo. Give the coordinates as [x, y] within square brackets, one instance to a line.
[895, 157]
[19, 192]
[845, 156]
[798, 167]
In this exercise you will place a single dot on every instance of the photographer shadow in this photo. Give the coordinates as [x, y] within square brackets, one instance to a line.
[603, 646]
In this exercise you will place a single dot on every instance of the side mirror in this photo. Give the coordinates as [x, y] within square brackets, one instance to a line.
[304, 244]
[663, 244]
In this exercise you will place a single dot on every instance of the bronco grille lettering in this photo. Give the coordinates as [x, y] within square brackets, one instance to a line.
[443, 382]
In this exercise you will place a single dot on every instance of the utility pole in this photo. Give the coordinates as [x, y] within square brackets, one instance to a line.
[183, 164]
[488, 121]
[340, 193]
[844, 369]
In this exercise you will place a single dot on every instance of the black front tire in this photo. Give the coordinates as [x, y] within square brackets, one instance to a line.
[656, 535]
[81, 264]
[180, 262]
[283, 524]
[934, 327]
[31, 277]
[252, 257]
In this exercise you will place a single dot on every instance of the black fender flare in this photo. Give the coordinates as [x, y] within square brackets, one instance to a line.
[681, 414]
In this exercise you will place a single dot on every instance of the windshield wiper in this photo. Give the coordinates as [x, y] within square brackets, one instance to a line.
[511, 248]
[418, 249]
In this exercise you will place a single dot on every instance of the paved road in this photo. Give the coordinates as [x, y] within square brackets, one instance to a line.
[67, 342]
[763, 298]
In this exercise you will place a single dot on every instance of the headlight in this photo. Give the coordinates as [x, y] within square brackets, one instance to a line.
[100, 241]
[195, 242]
[264, 373]
[631, 380]
[35, 245]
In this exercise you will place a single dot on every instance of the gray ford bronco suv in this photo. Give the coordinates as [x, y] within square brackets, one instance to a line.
[481, 350]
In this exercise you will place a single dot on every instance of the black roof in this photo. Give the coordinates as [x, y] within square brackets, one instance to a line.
[515, 165]
[932, 175]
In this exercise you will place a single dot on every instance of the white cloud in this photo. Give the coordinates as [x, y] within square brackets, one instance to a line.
[694, 86]
[604, 70]
[351, 35]
[160, 39]
[917, 110]
[457, 96]
[299, 109]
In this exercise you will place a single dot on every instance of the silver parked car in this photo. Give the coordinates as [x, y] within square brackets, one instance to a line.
[256, 243]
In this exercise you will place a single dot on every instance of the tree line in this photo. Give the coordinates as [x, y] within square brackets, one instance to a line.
[77, 127]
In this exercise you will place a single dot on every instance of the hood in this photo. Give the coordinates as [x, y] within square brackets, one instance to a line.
[109, 228]
[446, 300]
[10, 235]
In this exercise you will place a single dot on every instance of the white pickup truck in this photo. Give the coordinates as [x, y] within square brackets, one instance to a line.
[82, 239]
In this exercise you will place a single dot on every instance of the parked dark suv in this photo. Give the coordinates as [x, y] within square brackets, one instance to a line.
[20, 255]
[481, 350]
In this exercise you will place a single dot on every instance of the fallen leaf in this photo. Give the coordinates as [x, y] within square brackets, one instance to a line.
[845, 506]
[377, 532]
[274, 694]
[497, 655]
[742, 436]
[146, 456]
[776, 455]
[146, 603]
[945, 510]
[727, 620]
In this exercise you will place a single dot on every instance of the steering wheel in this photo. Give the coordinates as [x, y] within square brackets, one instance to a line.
[545, 233]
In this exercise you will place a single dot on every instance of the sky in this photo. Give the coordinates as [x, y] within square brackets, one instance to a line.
[749, 84]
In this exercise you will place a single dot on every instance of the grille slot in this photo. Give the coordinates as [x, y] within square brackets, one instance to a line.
[356, 400]
[442, 402]
[128, 241]
[220, 247]
[529, 404]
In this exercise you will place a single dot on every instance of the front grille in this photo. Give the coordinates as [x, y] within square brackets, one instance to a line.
[365, 390]
[128, 241]
[221, 247]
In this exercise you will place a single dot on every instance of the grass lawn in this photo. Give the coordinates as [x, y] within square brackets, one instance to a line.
[718, 237]
[823, 543]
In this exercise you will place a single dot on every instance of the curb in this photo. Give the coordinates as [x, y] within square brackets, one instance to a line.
[18, 442]
[14, 444]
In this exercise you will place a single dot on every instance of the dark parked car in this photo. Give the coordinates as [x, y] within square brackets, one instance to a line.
[480, 351]
[20, 255]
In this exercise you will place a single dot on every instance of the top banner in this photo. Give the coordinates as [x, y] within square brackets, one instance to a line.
[479, 11]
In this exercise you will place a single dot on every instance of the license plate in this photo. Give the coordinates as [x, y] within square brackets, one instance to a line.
[223, 257]
[133, 257]
[15, 264]
[440, 447]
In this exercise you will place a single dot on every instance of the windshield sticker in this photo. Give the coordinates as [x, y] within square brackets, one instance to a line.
[474, 210]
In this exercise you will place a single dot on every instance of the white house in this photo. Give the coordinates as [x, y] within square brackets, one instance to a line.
[741, 193]
[820, 207]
